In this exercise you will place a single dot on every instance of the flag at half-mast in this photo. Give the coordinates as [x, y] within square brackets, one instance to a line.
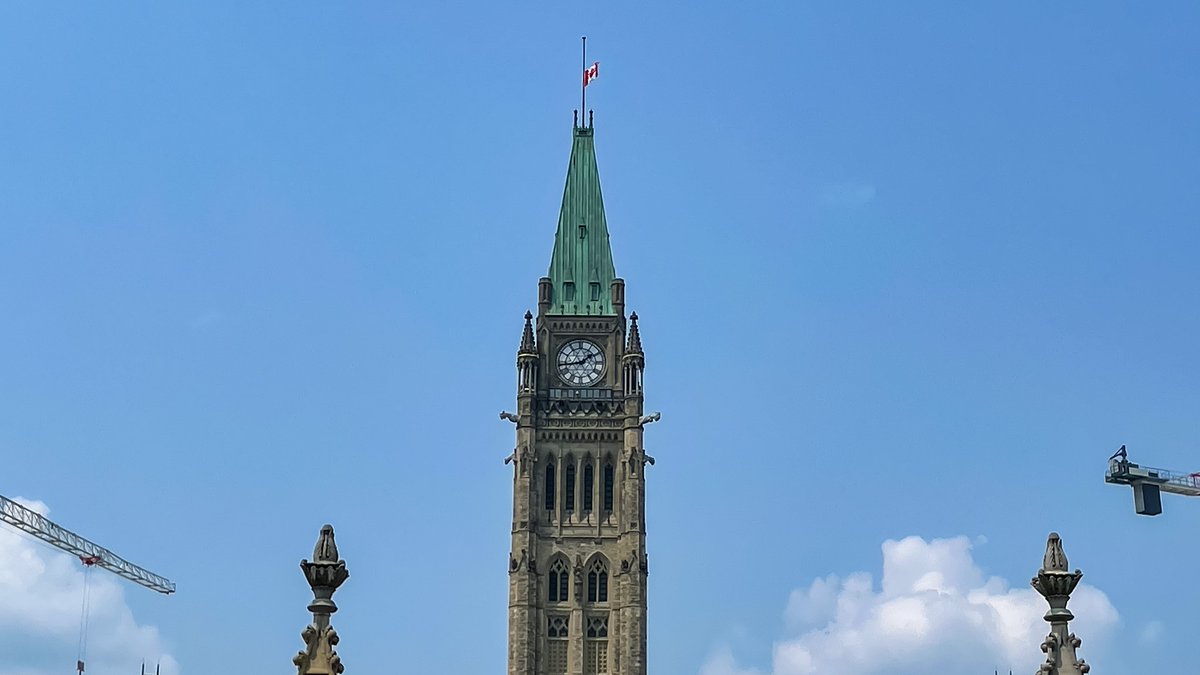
[591, 73]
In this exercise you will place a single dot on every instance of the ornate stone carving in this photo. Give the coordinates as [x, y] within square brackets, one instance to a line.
[578, 578]
[1055, 583]
[324, 574]
[319, 657]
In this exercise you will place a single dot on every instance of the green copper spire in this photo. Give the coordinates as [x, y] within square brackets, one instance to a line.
[581, 269]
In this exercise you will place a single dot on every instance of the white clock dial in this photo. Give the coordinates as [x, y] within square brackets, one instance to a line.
[580, 363]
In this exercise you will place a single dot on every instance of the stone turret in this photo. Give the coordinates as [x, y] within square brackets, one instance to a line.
[325, 574]
[1055, 584]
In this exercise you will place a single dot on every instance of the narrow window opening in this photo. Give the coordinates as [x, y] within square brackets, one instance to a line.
[595, 656]
[550, 487]
[569, 493]
[597, 582]
[557, 632]
[608, 487]
[557, 582]
[568, 291]
[595, 291]
[589, 483]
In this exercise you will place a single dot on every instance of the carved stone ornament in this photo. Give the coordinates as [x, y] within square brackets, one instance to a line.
[1055, 583]
[578, 578]
[318, 657]
[324, 574]
[634, 562]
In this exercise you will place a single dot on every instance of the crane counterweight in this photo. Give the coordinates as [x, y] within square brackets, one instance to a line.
[1148, 482]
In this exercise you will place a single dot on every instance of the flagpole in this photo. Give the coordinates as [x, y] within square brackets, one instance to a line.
[583, 82]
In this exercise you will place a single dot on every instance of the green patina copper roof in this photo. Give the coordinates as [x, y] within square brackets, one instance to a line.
[581, 268]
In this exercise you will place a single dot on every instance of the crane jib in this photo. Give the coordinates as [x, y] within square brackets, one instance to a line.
[34, 523]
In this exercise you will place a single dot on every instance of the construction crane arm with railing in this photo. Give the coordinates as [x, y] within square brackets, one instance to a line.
[1148, 482]
[34, 523]
[92, 555]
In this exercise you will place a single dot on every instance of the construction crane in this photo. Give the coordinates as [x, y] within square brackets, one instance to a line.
[90, 554]
[1148, 483]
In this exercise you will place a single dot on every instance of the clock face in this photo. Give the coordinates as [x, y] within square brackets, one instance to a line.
[580, 363]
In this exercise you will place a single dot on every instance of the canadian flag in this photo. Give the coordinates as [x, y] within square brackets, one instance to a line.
[591, 73]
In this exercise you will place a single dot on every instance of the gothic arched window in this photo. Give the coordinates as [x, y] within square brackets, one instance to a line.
[597, 582]
[550, 486]
[557, 630]
[558, 583]
[589, 483]
[569, 491]
[608, 487]
[595, 647]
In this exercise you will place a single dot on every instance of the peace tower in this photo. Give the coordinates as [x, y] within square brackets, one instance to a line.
[578, 566]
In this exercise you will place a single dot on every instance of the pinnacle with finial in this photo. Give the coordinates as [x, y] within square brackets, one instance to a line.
[528, 344]
[635, 337]
[324, 574]
[1055, 583]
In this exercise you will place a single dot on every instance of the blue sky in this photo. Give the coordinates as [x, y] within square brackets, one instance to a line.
[904, 270]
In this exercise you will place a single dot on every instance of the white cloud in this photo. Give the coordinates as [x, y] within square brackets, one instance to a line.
[41, 595]
[933, 611]
[722, 663]
[1151, 633]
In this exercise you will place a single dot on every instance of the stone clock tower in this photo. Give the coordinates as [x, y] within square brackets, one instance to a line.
[578, 566]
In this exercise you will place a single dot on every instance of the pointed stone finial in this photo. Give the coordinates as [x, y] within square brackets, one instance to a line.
[1055, 583]
[326, 548]
[1055, 559]
[635, 337]
[528, 344]
[324, 575]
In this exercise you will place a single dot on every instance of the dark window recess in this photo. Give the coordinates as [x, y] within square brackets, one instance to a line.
[597, 583]
[589, 482]
[550, 487]
[559, 577]
[569, 493]
[608, 487]
[568, 291]
[595, 291]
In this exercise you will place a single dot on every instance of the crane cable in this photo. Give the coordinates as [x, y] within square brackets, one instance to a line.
[89, 564]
